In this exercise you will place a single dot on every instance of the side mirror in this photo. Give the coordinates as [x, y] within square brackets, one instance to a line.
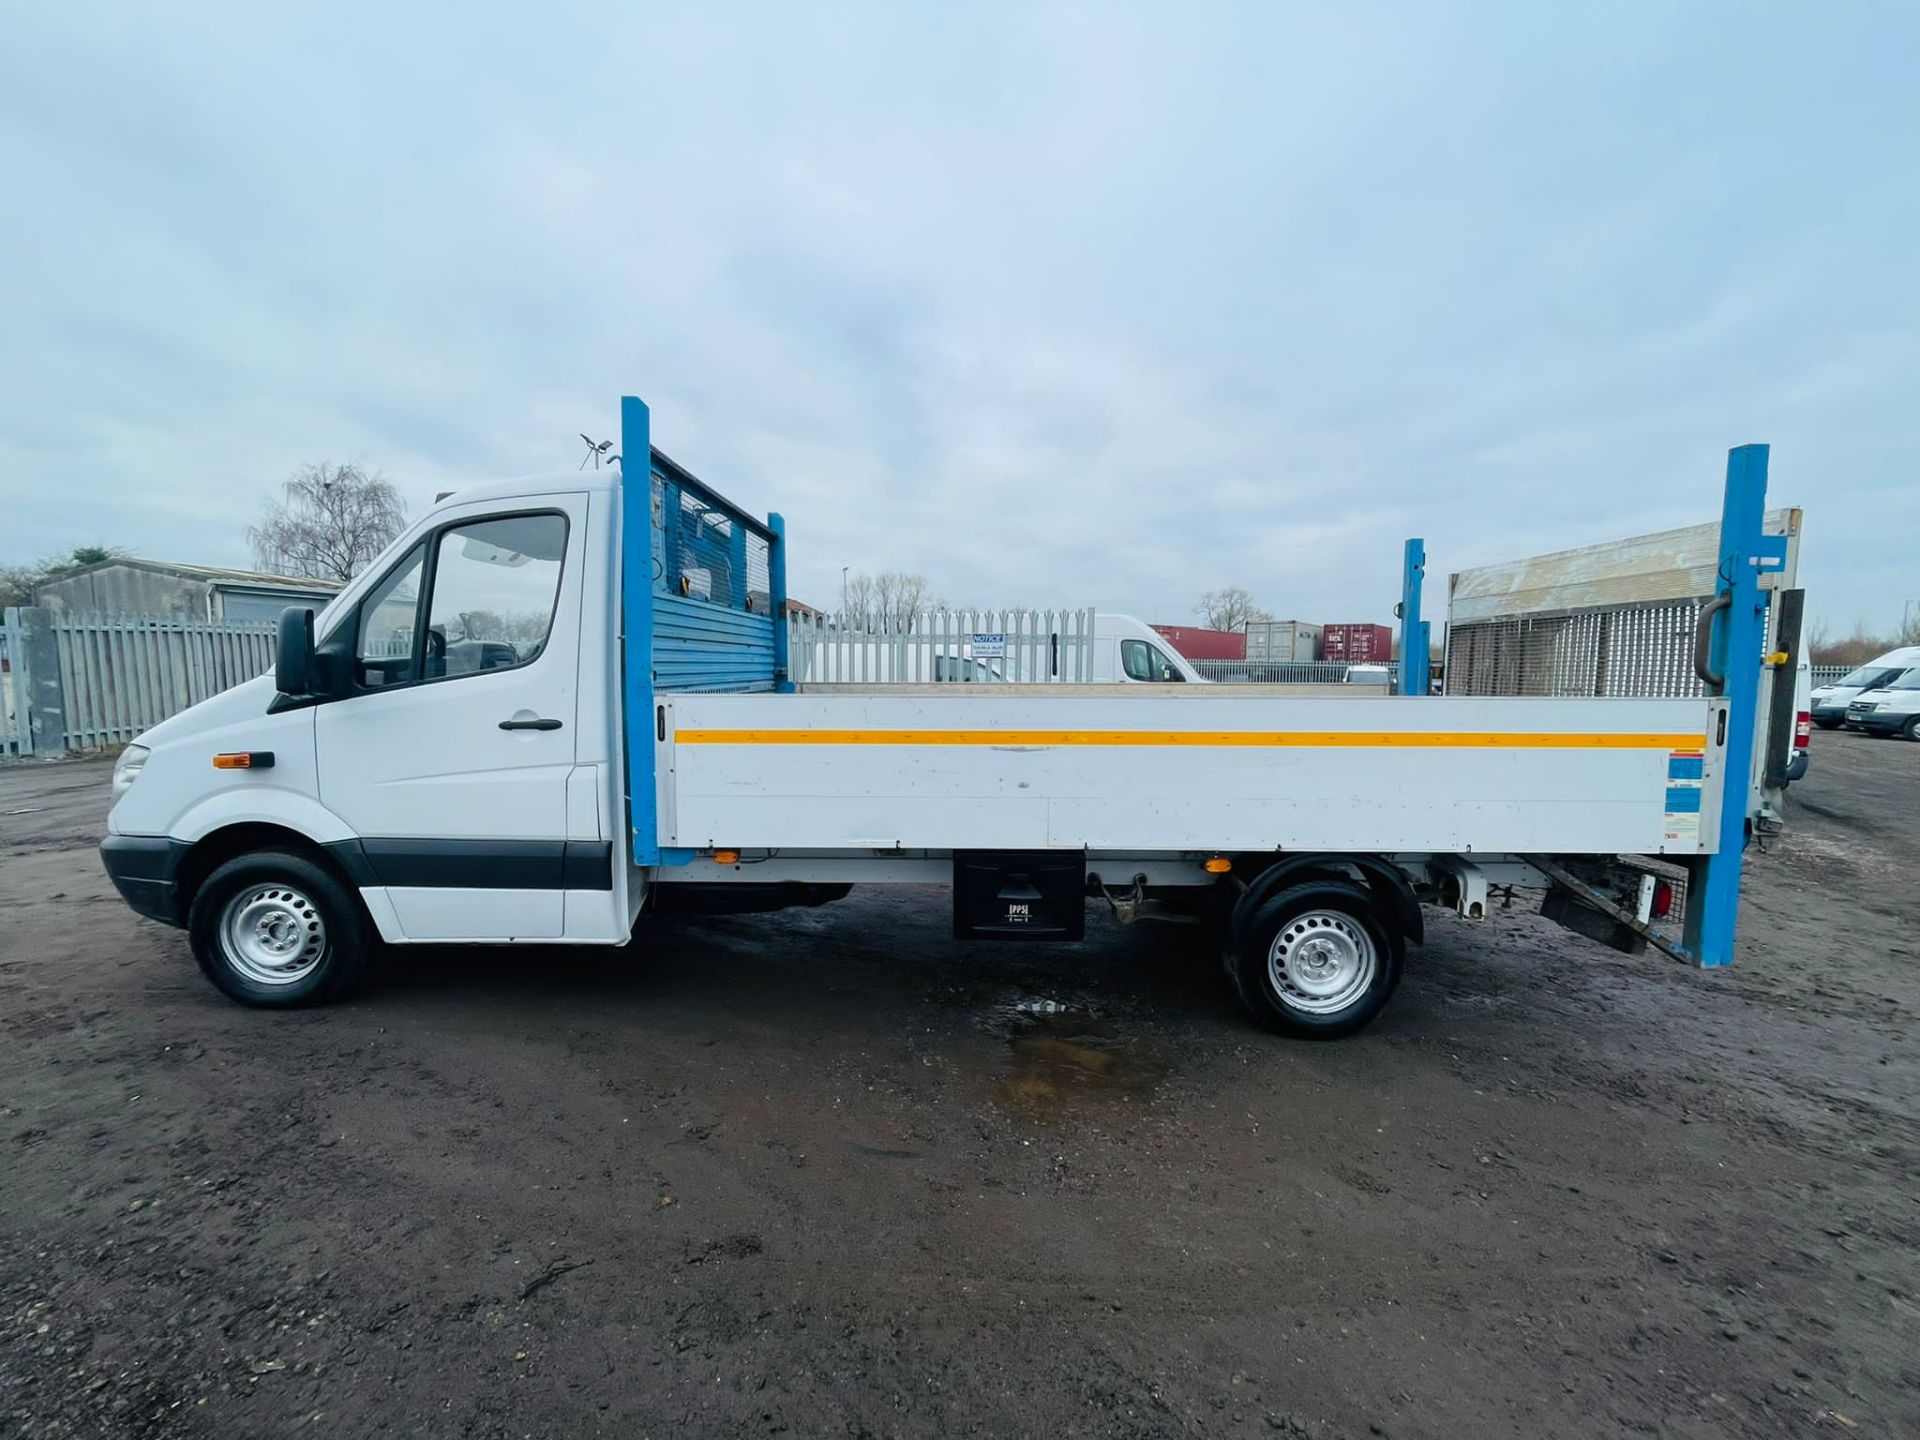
[293, 656]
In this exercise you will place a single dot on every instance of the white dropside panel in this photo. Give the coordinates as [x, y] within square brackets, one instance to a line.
[1311, 773]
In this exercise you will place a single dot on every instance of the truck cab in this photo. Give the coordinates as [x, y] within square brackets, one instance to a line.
[1128, 651]
[451, 754]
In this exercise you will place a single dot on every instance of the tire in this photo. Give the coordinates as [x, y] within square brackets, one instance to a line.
[1316, 961]
[1826, 724]
[1911, 730]
[275, 929]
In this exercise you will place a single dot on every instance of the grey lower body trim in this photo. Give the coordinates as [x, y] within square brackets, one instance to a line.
[142, 868]
[476, 864]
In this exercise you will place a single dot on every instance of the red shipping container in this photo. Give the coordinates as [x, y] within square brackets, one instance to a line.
[1371, 643]
[1358, 644]
[1196, 643]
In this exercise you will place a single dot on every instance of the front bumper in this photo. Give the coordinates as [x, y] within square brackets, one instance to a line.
[142, 868]
[1875, 723]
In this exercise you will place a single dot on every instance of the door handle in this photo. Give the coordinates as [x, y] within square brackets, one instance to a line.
[529, 724]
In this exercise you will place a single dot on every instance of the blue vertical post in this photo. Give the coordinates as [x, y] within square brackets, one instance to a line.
[1734, 655]
[777, 600]
[1415, 670]
[636, 612]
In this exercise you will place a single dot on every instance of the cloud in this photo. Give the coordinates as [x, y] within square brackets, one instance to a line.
[1057, 306]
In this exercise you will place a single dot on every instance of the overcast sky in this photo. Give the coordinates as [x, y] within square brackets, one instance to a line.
[1055, 305]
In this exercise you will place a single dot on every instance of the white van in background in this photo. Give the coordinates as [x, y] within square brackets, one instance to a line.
[1131, 652]
[1830, 702]
[1891, 709]
[1124, 651]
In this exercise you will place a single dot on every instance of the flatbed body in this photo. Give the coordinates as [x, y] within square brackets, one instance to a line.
[1112, 768]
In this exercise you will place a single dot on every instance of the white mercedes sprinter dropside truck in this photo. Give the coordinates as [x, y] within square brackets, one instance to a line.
[551, 704]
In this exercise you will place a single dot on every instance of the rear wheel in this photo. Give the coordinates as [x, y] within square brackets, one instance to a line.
[278, 929]
[1316, 960]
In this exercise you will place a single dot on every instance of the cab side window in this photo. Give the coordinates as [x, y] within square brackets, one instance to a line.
[1142, 661]
[494, 587]
[489, 588]
[383, 649]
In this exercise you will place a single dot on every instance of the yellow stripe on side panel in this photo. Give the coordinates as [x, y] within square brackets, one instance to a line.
[1278, 739]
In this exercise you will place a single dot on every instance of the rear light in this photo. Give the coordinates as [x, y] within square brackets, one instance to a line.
[1802, 730]
[1662, 905]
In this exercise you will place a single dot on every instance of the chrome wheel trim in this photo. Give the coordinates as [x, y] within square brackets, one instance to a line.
[272, 934]
[1321, 962]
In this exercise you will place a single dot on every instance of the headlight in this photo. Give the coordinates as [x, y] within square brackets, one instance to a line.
[127, 768]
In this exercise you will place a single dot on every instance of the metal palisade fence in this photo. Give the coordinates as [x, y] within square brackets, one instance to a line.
[990, 647]
[84, 682]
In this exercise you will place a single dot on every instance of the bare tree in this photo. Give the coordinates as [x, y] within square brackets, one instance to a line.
[889, 598]
[1817, 639]
[856, 598]
[1825, 648]
[1229, 608]
[901, 596]
[330, 521]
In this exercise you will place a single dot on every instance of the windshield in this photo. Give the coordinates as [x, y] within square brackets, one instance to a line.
[1868, 677]
[1910, 680]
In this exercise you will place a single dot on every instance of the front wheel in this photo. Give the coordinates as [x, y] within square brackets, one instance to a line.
[1315, 961]
[277, 929]
[1826, 724]
[1912, 728]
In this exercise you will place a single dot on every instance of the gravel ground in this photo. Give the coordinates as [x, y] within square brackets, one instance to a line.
[828, 1173]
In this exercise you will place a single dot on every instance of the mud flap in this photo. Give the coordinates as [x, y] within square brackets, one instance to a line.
[1564, 908]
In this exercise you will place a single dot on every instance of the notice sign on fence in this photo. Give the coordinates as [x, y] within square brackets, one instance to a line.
[990, 645]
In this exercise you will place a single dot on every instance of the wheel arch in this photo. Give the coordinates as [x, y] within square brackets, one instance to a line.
[245, 837]
[1393, 897]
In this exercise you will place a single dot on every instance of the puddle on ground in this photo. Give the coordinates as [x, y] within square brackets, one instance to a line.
[1062, 1056]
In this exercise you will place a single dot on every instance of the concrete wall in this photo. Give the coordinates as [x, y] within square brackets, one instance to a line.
[134, 590]
[125, 590]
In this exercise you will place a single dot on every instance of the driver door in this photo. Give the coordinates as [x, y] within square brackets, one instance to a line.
[450, 756]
